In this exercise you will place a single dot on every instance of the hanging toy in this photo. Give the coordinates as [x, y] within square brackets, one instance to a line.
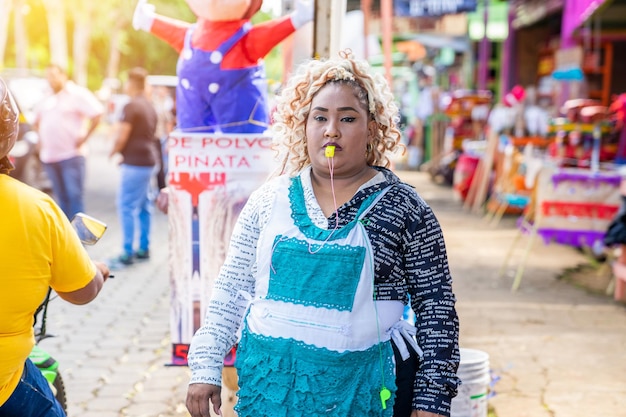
[221, 79]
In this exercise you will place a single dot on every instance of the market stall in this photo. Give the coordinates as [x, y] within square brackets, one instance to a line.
[575, 181]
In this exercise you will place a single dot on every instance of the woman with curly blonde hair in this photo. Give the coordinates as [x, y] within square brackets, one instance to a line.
[321, 264]
[371, 90]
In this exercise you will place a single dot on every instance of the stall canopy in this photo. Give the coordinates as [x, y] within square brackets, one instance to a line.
[601, 17]
[529, 12]
[438, 41]
[576, 13]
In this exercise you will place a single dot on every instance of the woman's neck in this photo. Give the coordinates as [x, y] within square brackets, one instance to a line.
[341, 190]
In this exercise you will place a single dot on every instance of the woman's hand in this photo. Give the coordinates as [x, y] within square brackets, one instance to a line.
[198, 396]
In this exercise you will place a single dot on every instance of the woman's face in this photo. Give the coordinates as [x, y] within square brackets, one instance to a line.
[338, 118]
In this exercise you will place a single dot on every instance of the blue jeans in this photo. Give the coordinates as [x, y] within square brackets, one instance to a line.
[68, 184]
[32, 396]
[134, 205]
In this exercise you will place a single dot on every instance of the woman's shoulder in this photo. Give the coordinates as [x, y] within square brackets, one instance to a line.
[403, 194]
[274, 184]
[263, 200]
[396, 186]
[270, 188]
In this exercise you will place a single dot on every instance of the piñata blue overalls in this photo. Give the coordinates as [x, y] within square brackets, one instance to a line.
[212, 99]
[313, 342]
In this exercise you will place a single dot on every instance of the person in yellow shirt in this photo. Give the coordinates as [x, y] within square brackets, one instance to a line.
[38, 249]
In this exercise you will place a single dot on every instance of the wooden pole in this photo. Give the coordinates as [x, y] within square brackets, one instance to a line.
[321, 29]
[386, 16]
[483, 59]
[479, 188]
[366, 8]
[327, 27]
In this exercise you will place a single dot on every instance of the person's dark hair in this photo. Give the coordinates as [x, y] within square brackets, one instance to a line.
[59, 68]
[137, 78]
[9, 119]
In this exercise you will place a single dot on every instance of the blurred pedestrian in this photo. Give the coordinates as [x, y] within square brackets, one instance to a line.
[60, 120]
[134, 141]
[163, 102]
[38, 250]
[425, 108]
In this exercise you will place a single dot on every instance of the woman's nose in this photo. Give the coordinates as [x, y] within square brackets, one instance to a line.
[331, 131]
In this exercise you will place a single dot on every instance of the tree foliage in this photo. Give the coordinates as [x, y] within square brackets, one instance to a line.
[113, 45]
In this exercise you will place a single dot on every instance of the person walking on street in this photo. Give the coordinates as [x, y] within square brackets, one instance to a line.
[321, 263]
[39, 249]
[135, 141]
[163, 102]
[427, 104]
[60, 121]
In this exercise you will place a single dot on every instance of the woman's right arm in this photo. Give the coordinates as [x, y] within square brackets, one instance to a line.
[224, 315]
[226, 308]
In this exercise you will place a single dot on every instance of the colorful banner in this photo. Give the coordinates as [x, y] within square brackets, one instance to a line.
[211, 177]
[575, 206]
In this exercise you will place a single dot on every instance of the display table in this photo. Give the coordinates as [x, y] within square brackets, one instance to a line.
[571, 206]
[575, 206]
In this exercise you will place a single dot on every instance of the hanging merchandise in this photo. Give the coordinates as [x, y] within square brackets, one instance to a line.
[568, 66]
[584, 137]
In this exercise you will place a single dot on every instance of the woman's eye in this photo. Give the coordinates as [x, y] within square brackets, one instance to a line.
[319, 118]
[348, 119]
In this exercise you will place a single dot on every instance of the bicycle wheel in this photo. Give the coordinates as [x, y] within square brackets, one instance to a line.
[59, 391]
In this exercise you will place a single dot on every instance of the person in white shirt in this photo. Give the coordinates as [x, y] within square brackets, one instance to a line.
[65, 121]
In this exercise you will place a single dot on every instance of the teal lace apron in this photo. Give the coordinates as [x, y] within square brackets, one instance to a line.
[311, 343]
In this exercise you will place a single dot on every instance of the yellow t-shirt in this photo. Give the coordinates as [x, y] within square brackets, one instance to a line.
[38, 249]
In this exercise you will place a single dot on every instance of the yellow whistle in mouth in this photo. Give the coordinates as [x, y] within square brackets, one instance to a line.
[329, 152]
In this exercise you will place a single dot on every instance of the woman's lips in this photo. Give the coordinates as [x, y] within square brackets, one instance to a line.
[337, 147]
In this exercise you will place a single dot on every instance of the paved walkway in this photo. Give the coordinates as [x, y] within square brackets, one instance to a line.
[556, 350]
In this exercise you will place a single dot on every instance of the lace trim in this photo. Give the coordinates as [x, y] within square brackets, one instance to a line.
[288, 378]
[307, 227]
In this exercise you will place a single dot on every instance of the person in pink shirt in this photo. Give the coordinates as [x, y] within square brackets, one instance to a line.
[65, 120]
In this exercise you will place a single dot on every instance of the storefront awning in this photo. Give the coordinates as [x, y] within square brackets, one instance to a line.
[430, 8]
[529, 12]
[576, 13]
[437, 41]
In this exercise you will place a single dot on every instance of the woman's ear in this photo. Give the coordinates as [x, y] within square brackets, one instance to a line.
[372, 128]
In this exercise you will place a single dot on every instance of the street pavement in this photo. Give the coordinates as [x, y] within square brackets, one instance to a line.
[555, 350]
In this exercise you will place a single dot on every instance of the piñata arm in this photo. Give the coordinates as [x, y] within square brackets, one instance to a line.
[265, 36]
[170, 30]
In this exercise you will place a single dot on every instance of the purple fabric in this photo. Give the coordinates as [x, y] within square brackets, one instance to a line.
[575, 238]
[587, 176]
[575, 13]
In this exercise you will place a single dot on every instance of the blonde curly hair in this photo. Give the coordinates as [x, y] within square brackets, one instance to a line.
[294, 104]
